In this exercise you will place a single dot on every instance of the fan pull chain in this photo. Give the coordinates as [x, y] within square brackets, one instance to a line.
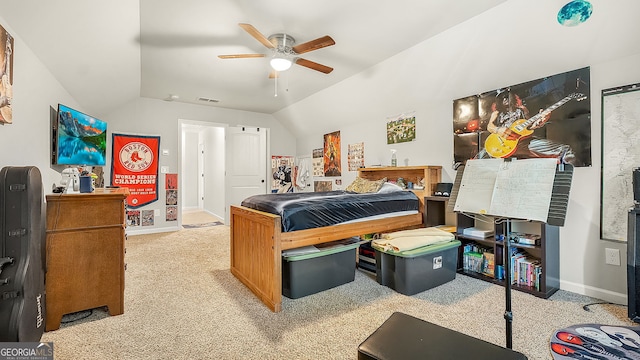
[276, 87]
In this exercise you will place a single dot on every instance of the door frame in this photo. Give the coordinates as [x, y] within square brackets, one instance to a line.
[185, 122]
[181, 125]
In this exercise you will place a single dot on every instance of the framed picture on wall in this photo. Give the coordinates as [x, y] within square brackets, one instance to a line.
[6, 76]
[332, 158]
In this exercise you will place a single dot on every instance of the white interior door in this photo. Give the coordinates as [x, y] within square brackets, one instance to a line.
[246, 164]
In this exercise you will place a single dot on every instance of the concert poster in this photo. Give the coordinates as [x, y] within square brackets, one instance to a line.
[332, 158]
[134, 165]
[547, 117]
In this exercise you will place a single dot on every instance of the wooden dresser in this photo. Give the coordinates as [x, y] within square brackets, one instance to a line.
[85, 253]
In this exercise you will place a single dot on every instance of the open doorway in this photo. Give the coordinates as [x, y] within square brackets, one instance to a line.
[219, 166]
[202, 170]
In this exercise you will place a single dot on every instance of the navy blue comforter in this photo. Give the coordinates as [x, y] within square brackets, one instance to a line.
[301, 211]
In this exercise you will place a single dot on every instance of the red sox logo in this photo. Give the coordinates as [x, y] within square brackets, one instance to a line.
[136, 156]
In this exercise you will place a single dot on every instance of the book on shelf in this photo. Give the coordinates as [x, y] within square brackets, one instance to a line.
[476, 258]
[472, 261]
[488, 264]
[525, 270]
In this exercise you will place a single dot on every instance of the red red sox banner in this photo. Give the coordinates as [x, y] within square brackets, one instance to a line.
[134, 165]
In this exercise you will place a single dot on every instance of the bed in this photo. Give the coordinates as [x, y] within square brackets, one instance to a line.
[257, 240]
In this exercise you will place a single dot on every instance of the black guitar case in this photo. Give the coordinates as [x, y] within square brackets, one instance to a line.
[22, 246]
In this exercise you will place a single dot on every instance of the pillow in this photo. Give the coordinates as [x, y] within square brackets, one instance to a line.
[362, 186]
[388, 187]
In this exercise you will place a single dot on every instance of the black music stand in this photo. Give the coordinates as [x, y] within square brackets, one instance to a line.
[556, 216]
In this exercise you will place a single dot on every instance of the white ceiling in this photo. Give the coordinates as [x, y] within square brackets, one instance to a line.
[106, 53]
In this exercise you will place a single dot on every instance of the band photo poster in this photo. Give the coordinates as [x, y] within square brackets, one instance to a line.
[281, 170]
[543, 118]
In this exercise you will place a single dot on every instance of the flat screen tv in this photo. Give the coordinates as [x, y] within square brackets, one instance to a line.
[79, 139]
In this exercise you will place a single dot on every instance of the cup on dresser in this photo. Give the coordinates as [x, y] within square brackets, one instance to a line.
[85, 184]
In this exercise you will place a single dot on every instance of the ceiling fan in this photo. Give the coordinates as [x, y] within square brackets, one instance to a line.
[285, 51]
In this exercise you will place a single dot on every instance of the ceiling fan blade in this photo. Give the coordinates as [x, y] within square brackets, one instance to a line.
[241, 56]
[314, 65]
[316, 44]
[257, 35]
[274, 74]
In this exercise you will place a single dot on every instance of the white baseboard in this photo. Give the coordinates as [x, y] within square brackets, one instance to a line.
[137, 231]
[602, 294]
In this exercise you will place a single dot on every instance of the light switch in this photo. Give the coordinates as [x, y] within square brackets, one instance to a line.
[164, 169]
[165, 152]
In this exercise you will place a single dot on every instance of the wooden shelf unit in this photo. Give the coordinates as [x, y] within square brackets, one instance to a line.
[85, 253]
[432, 175]
[547, 252]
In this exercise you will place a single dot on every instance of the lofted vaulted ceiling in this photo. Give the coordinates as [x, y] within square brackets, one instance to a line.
[106, 53]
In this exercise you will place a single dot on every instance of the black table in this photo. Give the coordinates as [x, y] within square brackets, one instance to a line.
[405, 337]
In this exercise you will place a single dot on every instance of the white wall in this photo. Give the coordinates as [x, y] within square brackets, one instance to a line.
[214, 171]
[157, 117]
[515, 42]
[189, 171]
[27, 141]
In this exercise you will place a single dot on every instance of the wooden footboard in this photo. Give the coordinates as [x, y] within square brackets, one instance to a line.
[257, 242]
[256, 254]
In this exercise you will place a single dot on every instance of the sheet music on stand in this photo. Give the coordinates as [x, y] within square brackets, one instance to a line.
[531, 189]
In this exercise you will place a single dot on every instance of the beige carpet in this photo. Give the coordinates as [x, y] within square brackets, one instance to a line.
[197, 217]
[181, 302]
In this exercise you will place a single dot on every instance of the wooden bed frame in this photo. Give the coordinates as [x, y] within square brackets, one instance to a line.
[257, 240]
[257, 243]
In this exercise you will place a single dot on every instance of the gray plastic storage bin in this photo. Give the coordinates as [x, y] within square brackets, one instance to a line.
[413, 271]
[311, 273]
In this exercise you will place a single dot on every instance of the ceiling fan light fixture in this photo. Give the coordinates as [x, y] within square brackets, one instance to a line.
[280, 63]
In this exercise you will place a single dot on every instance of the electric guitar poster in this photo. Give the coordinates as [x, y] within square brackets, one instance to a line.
[544, 118]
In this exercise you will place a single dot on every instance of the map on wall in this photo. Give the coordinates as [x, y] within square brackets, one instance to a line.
[620, 155]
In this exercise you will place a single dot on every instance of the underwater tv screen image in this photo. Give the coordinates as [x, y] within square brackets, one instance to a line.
[81, 139]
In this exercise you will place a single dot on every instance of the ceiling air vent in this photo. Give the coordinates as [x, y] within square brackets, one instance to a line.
[207, 100]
